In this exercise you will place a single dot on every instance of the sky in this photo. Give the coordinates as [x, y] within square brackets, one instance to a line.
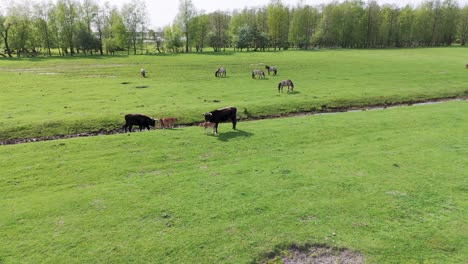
[163, 12]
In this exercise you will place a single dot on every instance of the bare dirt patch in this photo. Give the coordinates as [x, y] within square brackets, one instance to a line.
[316, 254]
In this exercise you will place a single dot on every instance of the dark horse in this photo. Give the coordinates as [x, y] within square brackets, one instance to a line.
[288, 83]
[260, 74]
[220, 72]
[272, 68]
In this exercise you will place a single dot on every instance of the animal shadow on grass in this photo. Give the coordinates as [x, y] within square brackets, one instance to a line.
[226, 136]
[294, 92]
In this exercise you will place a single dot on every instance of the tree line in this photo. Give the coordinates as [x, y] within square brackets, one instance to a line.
[68, 27]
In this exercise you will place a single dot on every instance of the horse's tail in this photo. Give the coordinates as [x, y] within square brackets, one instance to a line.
[279, 86]
[253, 75]
[276, 71]
[216, 73]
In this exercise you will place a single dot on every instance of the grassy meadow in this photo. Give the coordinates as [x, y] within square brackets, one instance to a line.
[390, 184]
[50, 96]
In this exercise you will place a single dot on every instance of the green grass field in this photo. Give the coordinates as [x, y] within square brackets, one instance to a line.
[390, 184]
[50, 96]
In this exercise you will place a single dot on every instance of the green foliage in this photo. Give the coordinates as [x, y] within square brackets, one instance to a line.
[390, 184]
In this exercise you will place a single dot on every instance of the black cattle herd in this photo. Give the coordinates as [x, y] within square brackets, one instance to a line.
[213, 118]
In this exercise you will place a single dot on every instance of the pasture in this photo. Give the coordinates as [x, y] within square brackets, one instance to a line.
[389, 184]
[50, 96]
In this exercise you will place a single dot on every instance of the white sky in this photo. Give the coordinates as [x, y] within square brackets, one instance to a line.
[163, 12]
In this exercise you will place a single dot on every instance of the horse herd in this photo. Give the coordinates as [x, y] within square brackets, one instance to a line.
[221, 72]
[211, 118]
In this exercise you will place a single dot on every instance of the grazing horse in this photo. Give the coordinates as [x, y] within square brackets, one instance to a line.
[272, 68]
[220, 72]
[143, 73]
[260, 74]
[288, 83]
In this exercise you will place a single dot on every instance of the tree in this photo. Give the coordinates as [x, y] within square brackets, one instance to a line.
[114, 31]
[67, 18]
[200, 28]
[157, 38]
[41, 22]
[5, 25]
[134, 17]
[219, 36]
[406, 26]
[423, 25]
[389, 36]
[330, 27]
[173, 38]
[244, 38]
[463, 25]
[303, 24]
[21, 30]
[278, 23]
[450, 15]
[187, 13]
[373, 23]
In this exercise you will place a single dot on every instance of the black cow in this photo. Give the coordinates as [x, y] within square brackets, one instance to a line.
[138, 120]
[221, 115]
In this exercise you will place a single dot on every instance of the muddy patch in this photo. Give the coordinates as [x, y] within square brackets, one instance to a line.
[317, 254]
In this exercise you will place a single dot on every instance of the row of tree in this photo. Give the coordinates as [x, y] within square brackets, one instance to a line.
[86, 27]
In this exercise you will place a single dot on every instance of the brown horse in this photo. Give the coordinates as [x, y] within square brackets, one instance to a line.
[288, 83]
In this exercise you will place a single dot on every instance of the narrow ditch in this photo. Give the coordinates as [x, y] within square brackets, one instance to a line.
[322, 111]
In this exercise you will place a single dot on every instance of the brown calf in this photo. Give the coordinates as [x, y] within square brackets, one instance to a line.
[167, 122]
